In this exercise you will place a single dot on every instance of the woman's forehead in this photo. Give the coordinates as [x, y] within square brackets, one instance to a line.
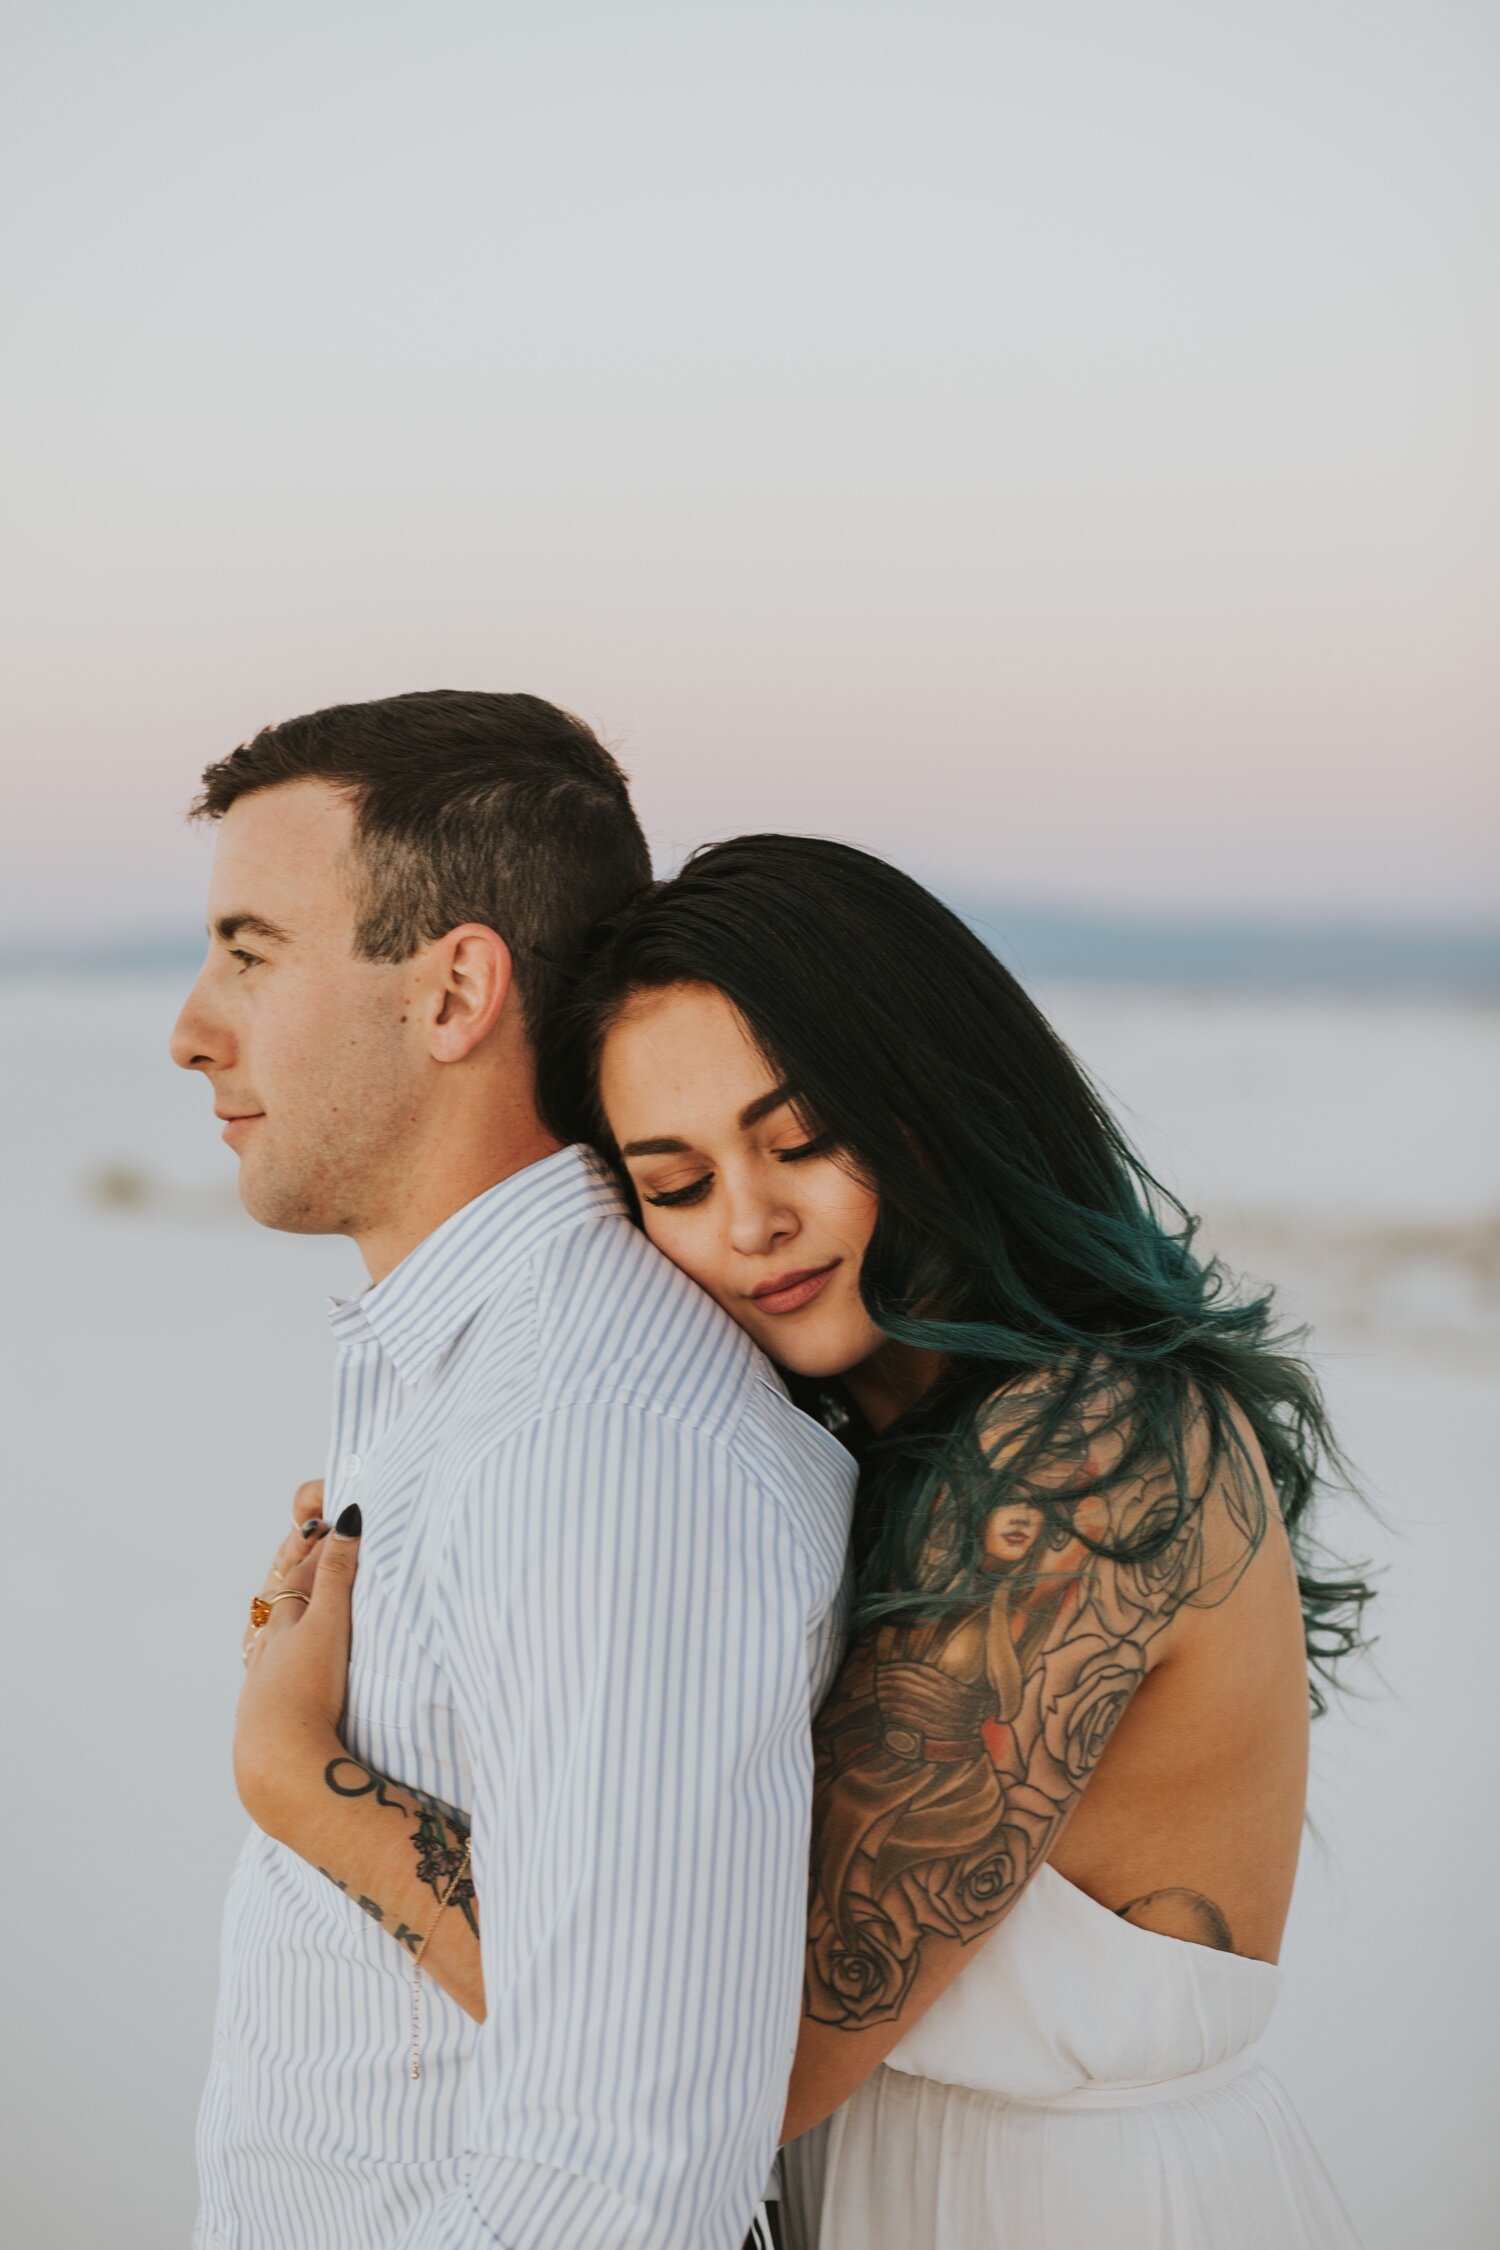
[679, 1060]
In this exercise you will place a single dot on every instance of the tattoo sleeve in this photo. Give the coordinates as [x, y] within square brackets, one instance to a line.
[954, 1745]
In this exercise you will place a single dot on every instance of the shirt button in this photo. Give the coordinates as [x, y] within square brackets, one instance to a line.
[351, 1465]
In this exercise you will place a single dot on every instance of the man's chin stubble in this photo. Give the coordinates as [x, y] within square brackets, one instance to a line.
[288, 1211]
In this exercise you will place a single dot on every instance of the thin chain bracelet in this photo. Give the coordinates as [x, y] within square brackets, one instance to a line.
[416, 1964]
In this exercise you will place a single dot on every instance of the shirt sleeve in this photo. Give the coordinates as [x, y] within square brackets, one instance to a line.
[628, 1635]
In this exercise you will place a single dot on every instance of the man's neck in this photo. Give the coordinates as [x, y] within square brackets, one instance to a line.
[436, 1194]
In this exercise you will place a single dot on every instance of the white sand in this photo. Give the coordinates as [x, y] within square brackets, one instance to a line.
[165, 1367]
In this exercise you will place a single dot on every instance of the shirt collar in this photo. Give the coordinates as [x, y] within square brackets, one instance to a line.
[418, 1308]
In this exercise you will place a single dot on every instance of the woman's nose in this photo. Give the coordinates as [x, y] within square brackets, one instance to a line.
[758, 1222]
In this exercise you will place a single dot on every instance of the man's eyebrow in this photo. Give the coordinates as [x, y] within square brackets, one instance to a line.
[750, 1115]
[230, 926]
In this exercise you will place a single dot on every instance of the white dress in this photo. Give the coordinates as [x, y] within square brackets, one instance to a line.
[1082, 2085]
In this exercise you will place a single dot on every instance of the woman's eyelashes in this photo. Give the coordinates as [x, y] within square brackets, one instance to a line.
[821, 1144]
[672, 1199]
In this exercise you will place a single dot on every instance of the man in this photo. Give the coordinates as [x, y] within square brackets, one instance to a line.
[601, 1552]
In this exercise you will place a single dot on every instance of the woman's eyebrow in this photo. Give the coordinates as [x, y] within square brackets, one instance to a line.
[754, 1111]
[750, 1115]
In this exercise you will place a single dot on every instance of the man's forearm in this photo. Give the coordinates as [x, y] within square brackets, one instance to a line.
[397, 1853]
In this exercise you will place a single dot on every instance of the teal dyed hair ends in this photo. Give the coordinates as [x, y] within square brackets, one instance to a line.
[1019, 1235]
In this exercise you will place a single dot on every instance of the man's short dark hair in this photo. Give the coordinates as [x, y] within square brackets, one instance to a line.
[498, 809]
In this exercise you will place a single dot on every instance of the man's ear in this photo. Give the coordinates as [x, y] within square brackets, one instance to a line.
[473, 977]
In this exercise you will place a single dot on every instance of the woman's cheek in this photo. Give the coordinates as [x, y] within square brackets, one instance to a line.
[858, 1207]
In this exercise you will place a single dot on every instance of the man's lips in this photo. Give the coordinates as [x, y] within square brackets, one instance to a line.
[236, 1117]
[789, 1292]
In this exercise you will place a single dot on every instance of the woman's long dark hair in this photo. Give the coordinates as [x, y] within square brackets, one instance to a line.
[1018, 1235]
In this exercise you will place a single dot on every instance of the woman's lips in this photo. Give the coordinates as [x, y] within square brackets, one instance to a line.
[793, 1290]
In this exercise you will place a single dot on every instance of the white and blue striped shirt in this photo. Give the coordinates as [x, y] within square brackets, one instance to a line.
[599, 1596]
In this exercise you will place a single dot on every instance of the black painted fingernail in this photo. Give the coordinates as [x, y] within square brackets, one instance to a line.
[312, 1525]
[351, 1523]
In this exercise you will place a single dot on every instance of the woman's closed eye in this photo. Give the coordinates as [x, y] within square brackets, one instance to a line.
[673, 1199]
[670, 1198]
[821, 1144]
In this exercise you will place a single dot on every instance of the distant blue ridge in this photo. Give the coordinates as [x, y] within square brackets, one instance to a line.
[1241, 955]
[1053, 945]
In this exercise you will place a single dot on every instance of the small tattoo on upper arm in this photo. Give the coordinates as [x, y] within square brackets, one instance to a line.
[1178, 1913]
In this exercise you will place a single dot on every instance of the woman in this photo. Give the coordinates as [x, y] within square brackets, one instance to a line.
[1086, 1630]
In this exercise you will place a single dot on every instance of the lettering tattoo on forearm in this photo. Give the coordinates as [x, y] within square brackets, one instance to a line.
[440, 1840]
[954, 1744]
[402, 1933]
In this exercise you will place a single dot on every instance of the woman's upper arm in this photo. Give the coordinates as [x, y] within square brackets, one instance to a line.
[953, 1747]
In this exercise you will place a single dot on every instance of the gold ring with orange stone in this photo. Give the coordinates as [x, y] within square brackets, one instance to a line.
[261, 1605]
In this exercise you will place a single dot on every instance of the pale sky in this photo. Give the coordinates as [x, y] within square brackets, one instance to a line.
[1052, 445]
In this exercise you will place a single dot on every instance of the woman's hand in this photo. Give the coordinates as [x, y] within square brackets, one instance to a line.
[307, 1528]
[296, 1664]
[299, 1783]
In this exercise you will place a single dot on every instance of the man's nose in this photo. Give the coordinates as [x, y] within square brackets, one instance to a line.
[197, 1043]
